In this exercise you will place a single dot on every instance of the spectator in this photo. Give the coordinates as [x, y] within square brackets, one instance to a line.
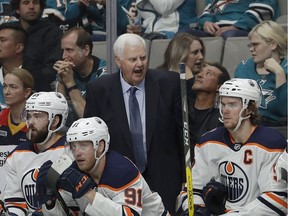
[43, 42]
[115, 178]
[6, 13]
[185, 48]
[160, 111]
[203, 111]
[268, 66]
[77, 68]
[166, 17]
[12, 43]
[18, 86]
[234, 18]
[189, 49]
[46, 113]
[95, 12]
[240, 158]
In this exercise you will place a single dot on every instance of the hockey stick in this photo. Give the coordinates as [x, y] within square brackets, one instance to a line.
[186, 139]
[57, 168]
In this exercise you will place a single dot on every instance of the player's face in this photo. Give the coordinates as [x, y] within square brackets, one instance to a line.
[207, 79]
[260, 49]
[83, 153]
[8, 47]
[29, 10]
[14, 92]
[230, 107]
[72, 52]
[133, 64]
[37, 123]
[195, 58]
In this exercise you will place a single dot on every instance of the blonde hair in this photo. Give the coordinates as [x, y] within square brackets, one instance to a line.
[178, 50]
[271, 31]
[23, 75]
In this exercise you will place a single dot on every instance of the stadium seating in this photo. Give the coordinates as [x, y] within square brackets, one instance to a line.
[235, 50]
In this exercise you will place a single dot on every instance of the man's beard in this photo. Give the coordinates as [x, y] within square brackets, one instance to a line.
[39, 137]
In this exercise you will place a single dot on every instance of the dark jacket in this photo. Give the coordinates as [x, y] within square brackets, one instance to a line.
[165, 156]
[42, 50]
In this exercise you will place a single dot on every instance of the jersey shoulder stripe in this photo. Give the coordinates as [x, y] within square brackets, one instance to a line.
[269, 138]
[119, 172]
[28, 146]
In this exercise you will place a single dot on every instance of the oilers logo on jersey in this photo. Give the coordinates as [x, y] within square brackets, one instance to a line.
[235, 179]
[28, 185]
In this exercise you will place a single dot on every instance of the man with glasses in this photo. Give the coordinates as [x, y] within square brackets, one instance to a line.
[234, 170]
[46, 114]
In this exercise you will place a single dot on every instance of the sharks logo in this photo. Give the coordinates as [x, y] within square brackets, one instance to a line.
[235, 179]
[267, 94]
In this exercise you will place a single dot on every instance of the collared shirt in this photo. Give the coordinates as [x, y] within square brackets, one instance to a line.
[140, 95]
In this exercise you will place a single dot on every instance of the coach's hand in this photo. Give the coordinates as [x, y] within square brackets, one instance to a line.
[215, 195]
[75, 182]
[43, 191]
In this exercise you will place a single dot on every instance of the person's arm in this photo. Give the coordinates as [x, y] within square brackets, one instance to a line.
[273, 66]
[206, 16]
[257, 12]
[65, 73]
[13, 196]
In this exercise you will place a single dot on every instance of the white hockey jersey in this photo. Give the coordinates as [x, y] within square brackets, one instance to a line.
[22, 167]
[247, 170]
[121, 191]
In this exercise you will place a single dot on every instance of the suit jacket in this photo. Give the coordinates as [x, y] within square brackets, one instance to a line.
[165, 157]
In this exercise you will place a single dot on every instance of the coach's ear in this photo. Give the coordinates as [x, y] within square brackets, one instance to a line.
[118, 61]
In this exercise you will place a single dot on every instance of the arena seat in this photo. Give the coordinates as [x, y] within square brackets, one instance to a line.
[157, 50]
[235, 50]
[100, 49]
[214, 48]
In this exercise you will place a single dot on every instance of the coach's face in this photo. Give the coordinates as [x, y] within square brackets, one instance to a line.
[133, 63]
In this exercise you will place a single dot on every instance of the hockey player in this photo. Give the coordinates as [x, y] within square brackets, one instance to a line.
[102, 182]
[46, 113]
[238, 160]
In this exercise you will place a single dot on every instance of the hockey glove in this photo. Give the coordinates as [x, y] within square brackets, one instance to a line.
[214, 195]
[75, 182]
[43, 190]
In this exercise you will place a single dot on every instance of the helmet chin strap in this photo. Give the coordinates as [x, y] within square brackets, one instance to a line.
[240, 120]
[50, 132]
[93, 170]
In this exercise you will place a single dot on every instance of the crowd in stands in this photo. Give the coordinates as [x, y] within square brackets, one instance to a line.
[57, 98]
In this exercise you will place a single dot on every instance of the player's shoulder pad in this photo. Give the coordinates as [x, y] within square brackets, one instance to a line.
[216, 134]
[119, 171]
[268, 137]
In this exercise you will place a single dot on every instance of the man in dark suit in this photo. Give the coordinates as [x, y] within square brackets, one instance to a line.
[159, 99]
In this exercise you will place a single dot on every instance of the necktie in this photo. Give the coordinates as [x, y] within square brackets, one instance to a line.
[136, 130]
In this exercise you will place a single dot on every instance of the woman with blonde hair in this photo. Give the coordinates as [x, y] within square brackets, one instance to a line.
[188, 49]
[268, 66]
[18, 86]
